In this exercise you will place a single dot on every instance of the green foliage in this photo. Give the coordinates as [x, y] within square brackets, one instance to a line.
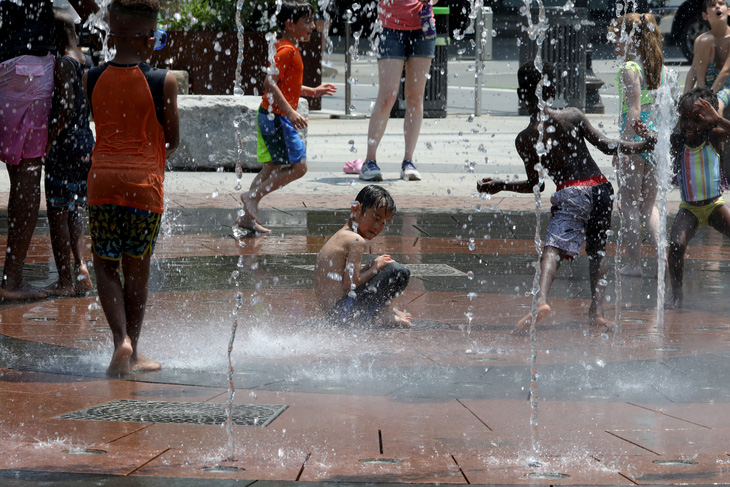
[218, 15]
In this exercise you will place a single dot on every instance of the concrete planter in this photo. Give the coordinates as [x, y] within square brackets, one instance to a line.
[208, 135]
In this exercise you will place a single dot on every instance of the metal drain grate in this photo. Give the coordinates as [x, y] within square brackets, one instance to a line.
[137, 411]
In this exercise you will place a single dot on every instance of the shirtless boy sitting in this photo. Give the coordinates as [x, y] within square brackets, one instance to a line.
[348, 292]
[582, 204]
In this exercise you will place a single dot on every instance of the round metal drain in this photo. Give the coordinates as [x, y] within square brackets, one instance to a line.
[380, 461]
[675, 463]
[85, 451]
[222, 469]
[547, 476]
[667, 349]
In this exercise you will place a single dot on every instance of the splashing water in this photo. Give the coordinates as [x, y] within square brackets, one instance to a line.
[537, 32]
[665, 115]
[97, 23]
[626, 38]
[238, 84]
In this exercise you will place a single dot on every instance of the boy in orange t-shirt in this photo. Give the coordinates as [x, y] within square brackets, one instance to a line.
[279, 147]
[137, 128]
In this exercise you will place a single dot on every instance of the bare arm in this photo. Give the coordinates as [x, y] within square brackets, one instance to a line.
[171, 115]
[703, 52]
[64, 77]
[722, 76]
[530, 159]
[612, 146]
[324, 89]
[631, 82]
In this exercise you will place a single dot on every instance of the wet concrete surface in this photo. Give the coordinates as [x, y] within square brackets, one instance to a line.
[444, 402]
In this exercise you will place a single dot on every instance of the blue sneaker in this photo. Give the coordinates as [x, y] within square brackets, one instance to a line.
[371, 172]
[409, 172]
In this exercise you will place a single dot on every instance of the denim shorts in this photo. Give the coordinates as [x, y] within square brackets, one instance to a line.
[404, 44]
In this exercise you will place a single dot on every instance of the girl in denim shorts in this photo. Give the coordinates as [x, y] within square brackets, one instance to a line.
[408, 40]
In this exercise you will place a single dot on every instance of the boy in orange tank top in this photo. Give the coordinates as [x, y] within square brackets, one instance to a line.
[137, 127]
[279, 147]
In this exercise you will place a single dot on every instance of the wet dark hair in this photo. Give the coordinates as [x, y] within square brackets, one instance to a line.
[528, 78]
[65, 30]
[143, 9]
[705, 4]
[292, 10]
[695, 94]
[373, 196]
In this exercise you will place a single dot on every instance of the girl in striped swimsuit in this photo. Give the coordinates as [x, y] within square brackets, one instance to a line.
[696, 146]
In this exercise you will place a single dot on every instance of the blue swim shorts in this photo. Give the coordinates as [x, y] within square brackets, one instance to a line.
[278, 141]
[117, 230]
[63, 194]
[404, 44]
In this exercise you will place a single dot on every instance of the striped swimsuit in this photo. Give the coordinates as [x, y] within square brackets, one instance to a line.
[700, 180]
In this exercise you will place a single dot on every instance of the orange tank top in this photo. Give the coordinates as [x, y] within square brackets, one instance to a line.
[128, 163]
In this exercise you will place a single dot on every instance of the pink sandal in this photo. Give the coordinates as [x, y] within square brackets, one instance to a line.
[353, 167]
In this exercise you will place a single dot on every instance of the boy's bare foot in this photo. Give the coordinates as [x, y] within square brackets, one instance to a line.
[119, 366]
[56, 289]
[26, 291]
[631, 271]
[523, 326]
[83, 280]
[145, 364]
[392, 318]
[598, 323]
[675, 302]
[247, 223]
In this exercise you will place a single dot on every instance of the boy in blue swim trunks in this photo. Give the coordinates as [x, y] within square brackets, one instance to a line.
[280, 148]
[582, 204]
[348, 292]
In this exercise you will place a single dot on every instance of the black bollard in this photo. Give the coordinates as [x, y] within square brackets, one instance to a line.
[593, 86]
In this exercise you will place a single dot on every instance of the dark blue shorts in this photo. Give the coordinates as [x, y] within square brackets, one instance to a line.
[278, 141]
[404, 44]
[116, 230]
[63, 194]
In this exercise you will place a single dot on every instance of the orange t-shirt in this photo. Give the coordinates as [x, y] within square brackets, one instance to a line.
[128, 163]
[289, 63]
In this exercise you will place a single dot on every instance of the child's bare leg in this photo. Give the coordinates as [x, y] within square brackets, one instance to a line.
[631, 181]
[111, 297]
[683, 229]
[597, 272]
[136, 289]
[60, 244]
[23, 204]
[549, 265]
[82, 279]
[271, 178]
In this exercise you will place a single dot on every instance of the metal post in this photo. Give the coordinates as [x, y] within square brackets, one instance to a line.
[348, 61]
[348, 69]
[478, 64]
